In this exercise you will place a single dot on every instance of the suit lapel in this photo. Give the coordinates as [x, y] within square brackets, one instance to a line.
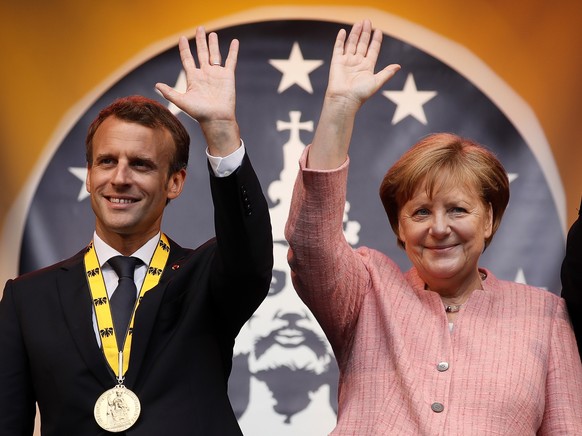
[78, 313]
[147, 311]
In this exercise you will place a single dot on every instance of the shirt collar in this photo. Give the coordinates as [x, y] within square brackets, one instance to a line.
[105, 252]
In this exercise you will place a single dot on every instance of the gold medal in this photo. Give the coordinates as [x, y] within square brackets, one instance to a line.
[117, 409]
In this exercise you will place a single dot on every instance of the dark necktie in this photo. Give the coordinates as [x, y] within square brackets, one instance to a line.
[123, 298]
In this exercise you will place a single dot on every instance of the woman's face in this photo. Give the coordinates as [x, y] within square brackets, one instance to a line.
[445, 235]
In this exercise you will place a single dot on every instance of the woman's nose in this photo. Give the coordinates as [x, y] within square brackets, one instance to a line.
[439, 225]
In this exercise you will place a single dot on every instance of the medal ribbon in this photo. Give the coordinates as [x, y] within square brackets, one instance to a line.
[101, 301]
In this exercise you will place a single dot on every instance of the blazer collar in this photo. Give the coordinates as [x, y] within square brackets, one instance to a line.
[78, 313]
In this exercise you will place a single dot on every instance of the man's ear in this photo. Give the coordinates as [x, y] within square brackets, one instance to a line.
[176, 184]
[88, 179]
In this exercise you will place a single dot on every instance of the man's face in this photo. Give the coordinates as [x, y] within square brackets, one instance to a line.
[128, 179]
[282, 331]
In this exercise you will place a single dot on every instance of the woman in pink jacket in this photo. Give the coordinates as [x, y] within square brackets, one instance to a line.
[445, 348]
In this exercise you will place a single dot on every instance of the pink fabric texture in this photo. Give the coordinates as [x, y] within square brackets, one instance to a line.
[509, 367]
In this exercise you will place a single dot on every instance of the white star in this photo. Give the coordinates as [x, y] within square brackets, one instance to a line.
[512, 176]
[409, 101]
[295, 70]
[81, 174]
[520, 278]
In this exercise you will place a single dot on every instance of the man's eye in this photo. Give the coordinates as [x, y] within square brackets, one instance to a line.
[142, 165]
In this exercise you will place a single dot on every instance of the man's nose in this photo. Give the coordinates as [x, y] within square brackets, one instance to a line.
[121, 175]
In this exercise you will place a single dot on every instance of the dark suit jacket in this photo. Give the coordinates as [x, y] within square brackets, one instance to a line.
[572, 277]
[183, 333]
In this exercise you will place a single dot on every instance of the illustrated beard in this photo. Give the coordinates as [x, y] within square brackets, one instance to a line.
[290, 371]
[291, 388]
[293, 370]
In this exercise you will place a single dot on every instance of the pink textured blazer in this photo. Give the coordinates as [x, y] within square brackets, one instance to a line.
[510, 366]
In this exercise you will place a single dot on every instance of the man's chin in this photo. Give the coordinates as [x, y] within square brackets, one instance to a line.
[124, 226]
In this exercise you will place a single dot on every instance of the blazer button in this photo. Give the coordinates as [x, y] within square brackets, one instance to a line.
[442, 366]
[437, 407]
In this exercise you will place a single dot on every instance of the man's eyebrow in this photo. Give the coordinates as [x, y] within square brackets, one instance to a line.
[103, 155]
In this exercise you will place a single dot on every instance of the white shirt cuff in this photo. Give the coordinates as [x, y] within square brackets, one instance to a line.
[224, 166]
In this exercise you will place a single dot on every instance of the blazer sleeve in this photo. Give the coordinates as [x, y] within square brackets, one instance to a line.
[563, 399]
[242, 268]
[328, 274]
[17, 404]
[571, 276]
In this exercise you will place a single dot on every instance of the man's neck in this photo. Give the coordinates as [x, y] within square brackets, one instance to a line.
[144, 252]
[124, 244]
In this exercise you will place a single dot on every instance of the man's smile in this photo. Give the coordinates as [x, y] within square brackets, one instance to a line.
[118, 200]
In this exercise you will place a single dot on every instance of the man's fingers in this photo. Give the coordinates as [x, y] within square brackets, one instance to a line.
[185, 53]
[214, 57]
[167, 92]
[202, 46]
[232, 57]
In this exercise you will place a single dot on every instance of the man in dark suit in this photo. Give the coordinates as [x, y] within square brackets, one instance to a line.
[572, 277]
[164, 370]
